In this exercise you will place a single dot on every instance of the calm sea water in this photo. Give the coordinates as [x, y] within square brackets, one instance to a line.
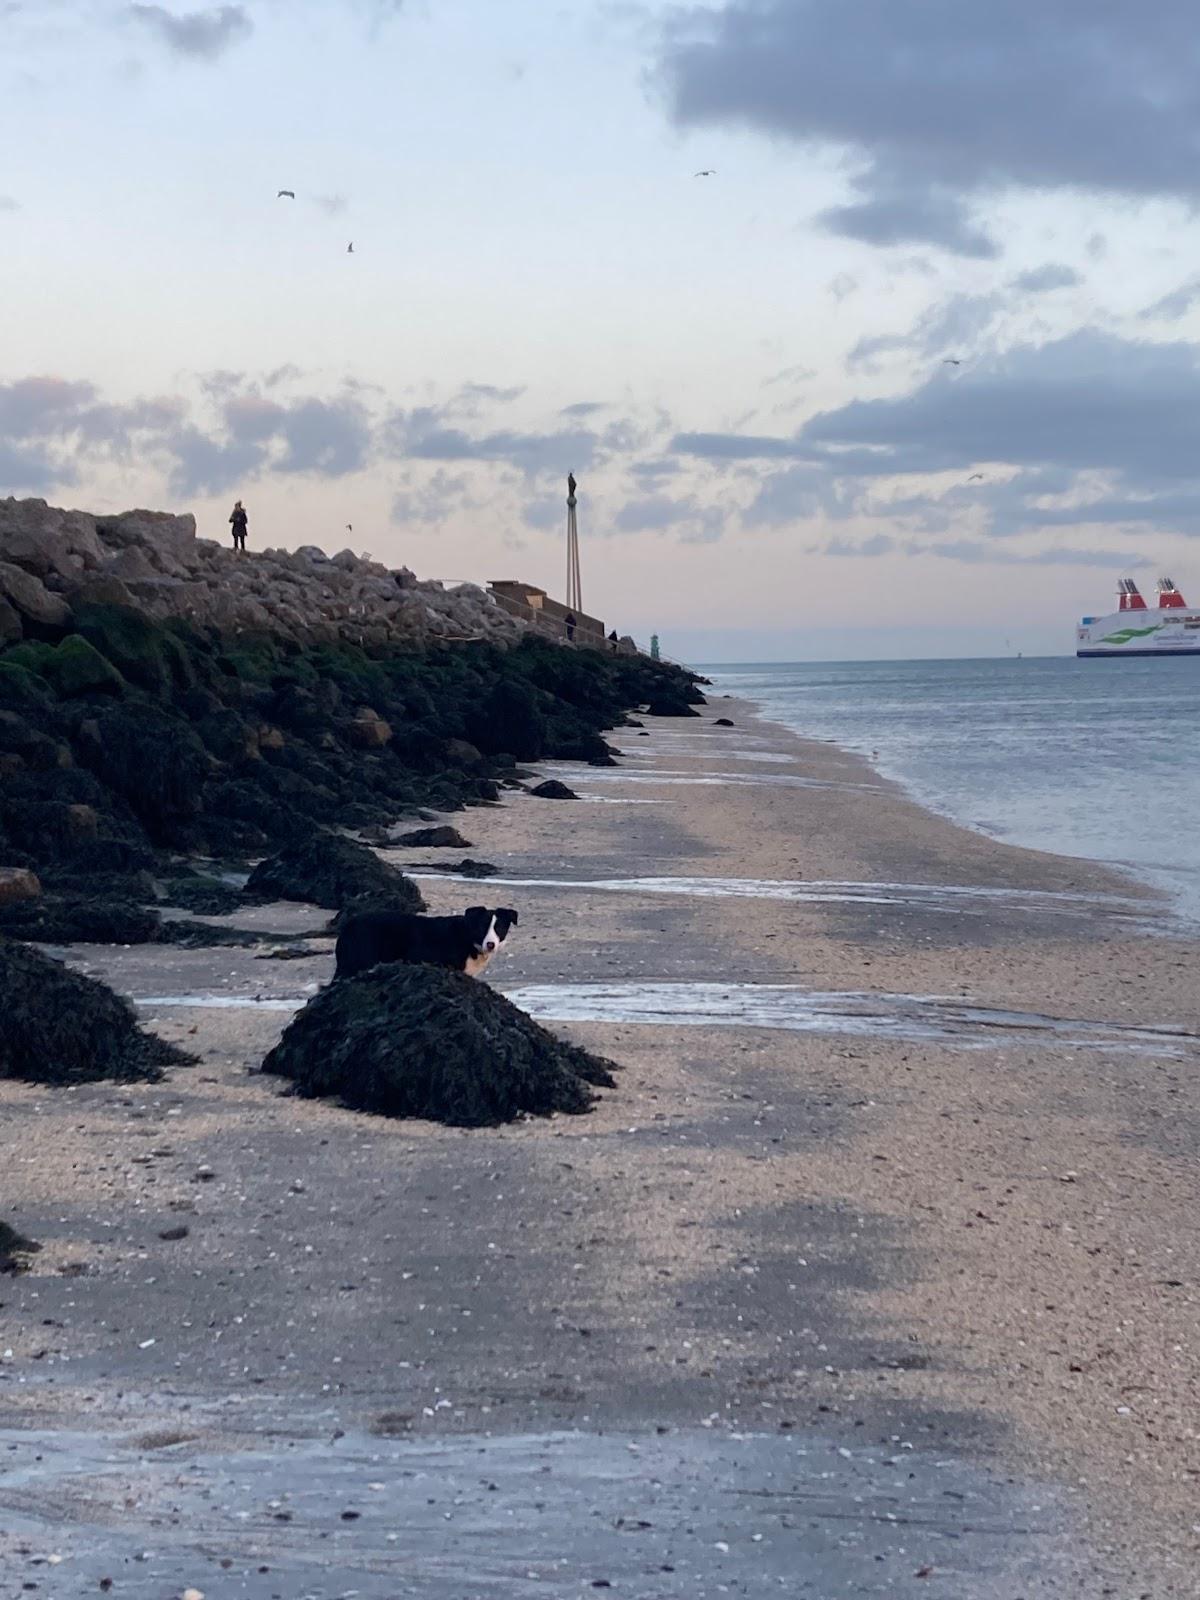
[1086, 758]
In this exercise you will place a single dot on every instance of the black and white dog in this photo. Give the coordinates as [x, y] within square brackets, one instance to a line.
[466, 943]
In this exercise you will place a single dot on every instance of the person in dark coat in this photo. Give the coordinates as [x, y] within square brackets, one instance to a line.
[238, 520]
[570, 626]
[614, 641]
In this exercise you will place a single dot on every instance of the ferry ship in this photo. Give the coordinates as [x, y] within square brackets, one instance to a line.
[1171, 629]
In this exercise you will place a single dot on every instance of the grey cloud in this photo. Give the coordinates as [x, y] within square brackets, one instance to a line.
[198, 35]
[203, 465]
[736, 446]
[981, 553]
[953, 326]
[1099, 426]
[880, 544]
[1091, 401]
[1041, 280]
[940, 102]
[31, 470]
[1174, 305]
[658, 513]
[582, 408]
[903, 214]
[976, 552]
[331, 438]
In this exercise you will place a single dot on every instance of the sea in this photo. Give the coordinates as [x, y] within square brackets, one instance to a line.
[1098, 759]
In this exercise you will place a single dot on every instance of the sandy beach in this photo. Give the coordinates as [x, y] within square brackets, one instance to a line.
[878, 1273]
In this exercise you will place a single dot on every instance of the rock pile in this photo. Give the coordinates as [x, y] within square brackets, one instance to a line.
[417, 1041]
[53, 561]
[328, 870]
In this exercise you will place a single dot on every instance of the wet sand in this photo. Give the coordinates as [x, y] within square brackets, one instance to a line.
[879, 1268]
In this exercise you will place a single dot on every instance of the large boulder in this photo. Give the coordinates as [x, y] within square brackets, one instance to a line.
[11, 628]
[30, 596]
[422, 1041]
[17, 885]
[47, 540]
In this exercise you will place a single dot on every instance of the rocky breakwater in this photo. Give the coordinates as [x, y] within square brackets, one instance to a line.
[163, 699]
[52, 561]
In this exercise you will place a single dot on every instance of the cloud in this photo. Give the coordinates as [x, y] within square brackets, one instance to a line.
[953, 326]
[582, 408]
[976, 552]
[1041, 280]
[1174, 305]
[1091, 430]
[1090, 401]
[333, 205]
[659, 513]
[204, 465]
[936, 105]
[197, 35]
[736, 446]
[901, 213]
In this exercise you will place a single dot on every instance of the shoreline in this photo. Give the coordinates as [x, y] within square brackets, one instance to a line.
[866, 1239]
[1168, 878]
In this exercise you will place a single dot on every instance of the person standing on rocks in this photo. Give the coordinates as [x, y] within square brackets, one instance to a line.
[571, 626]
[238, 520]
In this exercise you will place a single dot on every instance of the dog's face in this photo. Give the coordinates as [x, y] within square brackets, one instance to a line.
[489, 929]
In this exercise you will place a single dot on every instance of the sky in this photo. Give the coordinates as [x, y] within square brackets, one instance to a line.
[913, 372]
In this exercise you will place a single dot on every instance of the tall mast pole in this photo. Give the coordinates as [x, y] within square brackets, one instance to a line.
[574, 579]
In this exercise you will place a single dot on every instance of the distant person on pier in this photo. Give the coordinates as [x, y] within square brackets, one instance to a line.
[238, 520]
[614, 641]
[570, 627]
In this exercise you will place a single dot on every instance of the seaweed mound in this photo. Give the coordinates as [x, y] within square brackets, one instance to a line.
[422, 1041]
[434, 839]
[552, 789]
[15, 1250]
[328, 870]
[466, 868]
[62, 1028]
[75, 919]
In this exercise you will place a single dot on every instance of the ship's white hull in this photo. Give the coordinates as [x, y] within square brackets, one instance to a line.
[1169, 631]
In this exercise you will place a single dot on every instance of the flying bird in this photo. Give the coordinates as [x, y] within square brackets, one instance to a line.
[350, 248]
[951, 361]
[290, 193]
[708, 172]
[349, 527]
[975, 476]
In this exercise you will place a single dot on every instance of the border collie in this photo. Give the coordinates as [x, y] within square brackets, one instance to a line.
[466, 943]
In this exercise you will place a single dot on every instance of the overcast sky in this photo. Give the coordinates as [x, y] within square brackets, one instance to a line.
[750, 373]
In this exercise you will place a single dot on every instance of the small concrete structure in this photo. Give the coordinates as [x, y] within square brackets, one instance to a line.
[534, 605]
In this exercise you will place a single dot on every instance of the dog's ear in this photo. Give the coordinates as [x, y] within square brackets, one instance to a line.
[477, 918]
[506, 918]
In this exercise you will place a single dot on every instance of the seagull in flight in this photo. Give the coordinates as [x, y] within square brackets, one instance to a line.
[708, 172]
[951, 361]
[975, 476]
[349, 527]
[290, 193]
[350, 248]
